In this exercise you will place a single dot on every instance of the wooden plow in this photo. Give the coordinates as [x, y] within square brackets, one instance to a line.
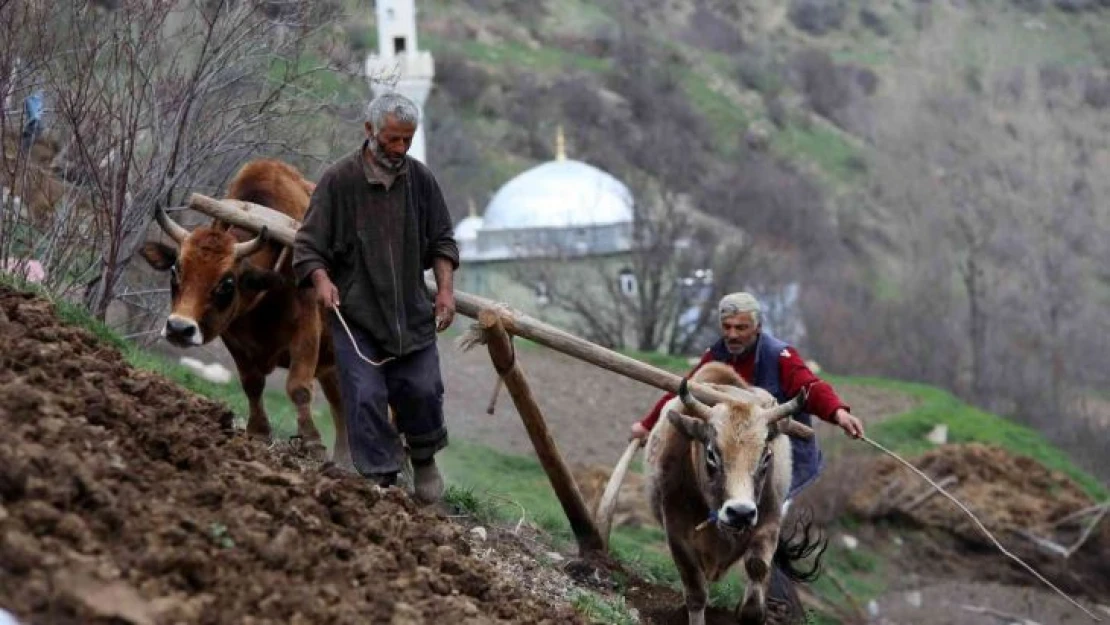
[496, 324]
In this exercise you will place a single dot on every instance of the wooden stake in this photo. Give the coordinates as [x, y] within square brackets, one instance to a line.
[504, 361]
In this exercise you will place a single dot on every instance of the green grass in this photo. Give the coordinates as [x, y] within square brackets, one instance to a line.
[599, 609]
[516, 54]
[728, 120]
[905, 434]
[669, 362]
[827, 149]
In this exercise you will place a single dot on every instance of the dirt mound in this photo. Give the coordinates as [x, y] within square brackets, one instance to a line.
[632, 505]
[1013, 496]
[1006, 491]
[124, 498]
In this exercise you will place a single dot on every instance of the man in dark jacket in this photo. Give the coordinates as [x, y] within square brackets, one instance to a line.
[377, 220]
[765, 361]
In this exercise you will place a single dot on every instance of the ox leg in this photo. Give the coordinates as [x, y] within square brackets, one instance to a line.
[757, 564]
[693, 580]
[302, 369]
[341, 454]
[258, 423]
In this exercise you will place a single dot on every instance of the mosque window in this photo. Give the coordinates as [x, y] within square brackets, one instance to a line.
[628, 283]
[398, 45]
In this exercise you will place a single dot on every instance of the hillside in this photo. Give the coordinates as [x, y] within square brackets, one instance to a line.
[928, 172]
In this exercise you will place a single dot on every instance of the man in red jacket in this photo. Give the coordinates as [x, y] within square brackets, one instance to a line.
[766, 362]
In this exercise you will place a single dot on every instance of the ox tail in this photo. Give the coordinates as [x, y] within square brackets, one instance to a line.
[803, 541]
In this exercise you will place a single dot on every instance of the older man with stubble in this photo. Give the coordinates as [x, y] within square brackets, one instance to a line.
[377, 220]
[769, 363]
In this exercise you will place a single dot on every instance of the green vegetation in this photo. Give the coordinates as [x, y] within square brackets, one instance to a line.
[905, 434]
[727, 119]
[516, 54]
[828, 149]
[599, 609]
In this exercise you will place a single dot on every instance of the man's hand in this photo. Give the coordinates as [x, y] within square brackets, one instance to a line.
[445, 309]
[851, 425]
[639, 431]
[326, 292]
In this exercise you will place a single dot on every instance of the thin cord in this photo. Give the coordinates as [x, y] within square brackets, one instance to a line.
[977, 522]
[354, 343]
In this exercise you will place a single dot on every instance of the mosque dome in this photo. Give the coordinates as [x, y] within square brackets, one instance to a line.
[562, 193]
[468, 228]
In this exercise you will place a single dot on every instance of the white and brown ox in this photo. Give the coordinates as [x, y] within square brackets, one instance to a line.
[717, 478]
[223, 285]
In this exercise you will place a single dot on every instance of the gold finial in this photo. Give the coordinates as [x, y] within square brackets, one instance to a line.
[473, 208]
[560, 144]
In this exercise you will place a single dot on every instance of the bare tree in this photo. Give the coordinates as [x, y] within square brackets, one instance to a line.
[679, 261]
[152, 100]
[997, 197]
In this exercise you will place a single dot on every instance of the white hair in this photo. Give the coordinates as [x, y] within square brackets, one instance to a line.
[401, 108]
[741, 302]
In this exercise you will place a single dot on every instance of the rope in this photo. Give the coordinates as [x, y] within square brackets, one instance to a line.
[354, 343]
[978, 523]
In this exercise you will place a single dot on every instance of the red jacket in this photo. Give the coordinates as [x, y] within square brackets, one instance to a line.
[822, 401]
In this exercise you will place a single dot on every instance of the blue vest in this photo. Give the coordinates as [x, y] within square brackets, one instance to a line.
[807, 457]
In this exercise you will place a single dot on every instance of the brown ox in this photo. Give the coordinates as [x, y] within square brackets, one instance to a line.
[223, 285]
[716, 479]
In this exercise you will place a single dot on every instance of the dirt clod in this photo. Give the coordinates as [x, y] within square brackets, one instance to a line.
[125, 498]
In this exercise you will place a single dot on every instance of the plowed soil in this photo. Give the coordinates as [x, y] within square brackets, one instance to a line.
[124, 498]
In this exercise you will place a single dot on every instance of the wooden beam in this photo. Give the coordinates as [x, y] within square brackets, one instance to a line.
[280, 227]
[283, 229]
[520, 324]
[504, 361]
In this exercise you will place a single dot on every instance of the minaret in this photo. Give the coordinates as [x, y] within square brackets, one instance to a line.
[398, 59]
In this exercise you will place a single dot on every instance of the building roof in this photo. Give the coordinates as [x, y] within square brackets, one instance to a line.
[563, 193]
[468, 227]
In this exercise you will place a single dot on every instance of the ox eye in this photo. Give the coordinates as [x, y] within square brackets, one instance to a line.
[712, 459]
[225, 287]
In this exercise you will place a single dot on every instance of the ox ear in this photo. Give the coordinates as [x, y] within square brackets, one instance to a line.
[255, 279]
[158, 255]
[691, 427]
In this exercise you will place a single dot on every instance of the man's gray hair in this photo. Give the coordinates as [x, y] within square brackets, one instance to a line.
[401, 108]
[741, 302]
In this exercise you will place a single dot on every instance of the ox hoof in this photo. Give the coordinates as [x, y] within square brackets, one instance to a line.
[259, 431]
[315, 449]
[753, 612]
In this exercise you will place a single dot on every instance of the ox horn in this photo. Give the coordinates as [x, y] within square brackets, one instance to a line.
[782, 411]
[246, 248]
[691, 402]
[175, 230]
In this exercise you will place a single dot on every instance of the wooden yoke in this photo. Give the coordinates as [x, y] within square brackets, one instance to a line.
[504, 361]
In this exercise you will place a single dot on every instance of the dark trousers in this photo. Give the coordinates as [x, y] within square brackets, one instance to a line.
[412, 384]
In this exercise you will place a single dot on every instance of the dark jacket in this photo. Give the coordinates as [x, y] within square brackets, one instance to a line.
[381, 290]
